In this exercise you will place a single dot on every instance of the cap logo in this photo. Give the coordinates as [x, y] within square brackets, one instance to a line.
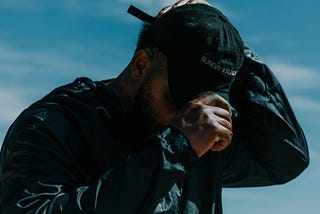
[217, 67]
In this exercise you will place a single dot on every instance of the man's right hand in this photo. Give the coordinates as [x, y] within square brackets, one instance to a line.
[206, 122]
[180, 3]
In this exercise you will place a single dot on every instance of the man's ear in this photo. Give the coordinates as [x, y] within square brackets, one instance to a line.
[140, 65]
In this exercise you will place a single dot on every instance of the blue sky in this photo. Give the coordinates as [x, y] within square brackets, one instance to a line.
[44, 44]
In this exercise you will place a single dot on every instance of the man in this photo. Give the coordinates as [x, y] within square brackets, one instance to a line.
[161, 137]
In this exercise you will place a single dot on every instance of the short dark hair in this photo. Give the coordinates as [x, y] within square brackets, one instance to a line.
[145, 39]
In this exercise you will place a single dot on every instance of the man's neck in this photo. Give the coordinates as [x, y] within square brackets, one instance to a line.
[123, 90]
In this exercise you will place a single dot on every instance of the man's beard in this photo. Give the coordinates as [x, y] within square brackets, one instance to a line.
[139, 124]
[144, 110]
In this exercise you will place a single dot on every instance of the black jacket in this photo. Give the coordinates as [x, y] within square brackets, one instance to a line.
[61, 155]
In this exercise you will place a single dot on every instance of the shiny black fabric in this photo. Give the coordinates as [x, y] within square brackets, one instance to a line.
[61, 154]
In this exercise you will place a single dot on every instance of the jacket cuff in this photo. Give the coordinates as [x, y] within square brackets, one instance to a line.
[177, 153]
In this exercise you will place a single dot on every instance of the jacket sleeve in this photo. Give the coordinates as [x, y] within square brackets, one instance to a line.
[269, 146]
[38, 175]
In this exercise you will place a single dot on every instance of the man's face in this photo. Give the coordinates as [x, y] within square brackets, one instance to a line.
[153, 102]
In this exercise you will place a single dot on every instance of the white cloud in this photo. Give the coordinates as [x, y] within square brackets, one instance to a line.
[11, 105]
[295, 77]
[243, 194]
[255, 40]
[153, 7]
[28, 75]
[15, 62]
[305, 104]
[100, 8]
[315, 156]
[30, 5]
[314, 169]
[148, 3]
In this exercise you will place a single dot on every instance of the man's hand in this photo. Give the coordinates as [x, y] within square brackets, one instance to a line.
[180, 3]
[206, 122]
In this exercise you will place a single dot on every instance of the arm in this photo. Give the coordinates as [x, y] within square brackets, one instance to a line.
[39, 172]
[269, 146]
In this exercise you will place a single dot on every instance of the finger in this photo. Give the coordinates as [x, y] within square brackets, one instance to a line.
[223, 113]
[219, 115]
[221, 102]
[213, 99]
[164, 10]
[224, 141]
[225, 124]
[222, 128]
[198, 2]
[219, 146]
[180, 3]
[169, 7]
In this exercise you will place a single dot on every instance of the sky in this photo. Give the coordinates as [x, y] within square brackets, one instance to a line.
[45, 44]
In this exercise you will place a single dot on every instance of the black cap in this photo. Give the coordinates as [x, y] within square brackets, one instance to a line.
[204, 51]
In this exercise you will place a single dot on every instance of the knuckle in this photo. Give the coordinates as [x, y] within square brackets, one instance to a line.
[216, 126]
[196, 107]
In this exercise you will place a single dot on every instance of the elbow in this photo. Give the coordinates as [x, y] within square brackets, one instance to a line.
[290, 172]
[291, 162]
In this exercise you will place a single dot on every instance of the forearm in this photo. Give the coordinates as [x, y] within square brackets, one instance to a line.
[266, 125]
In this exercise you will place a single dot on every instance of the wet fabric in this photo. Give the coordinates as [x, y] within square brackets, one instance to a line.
[61, 154]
